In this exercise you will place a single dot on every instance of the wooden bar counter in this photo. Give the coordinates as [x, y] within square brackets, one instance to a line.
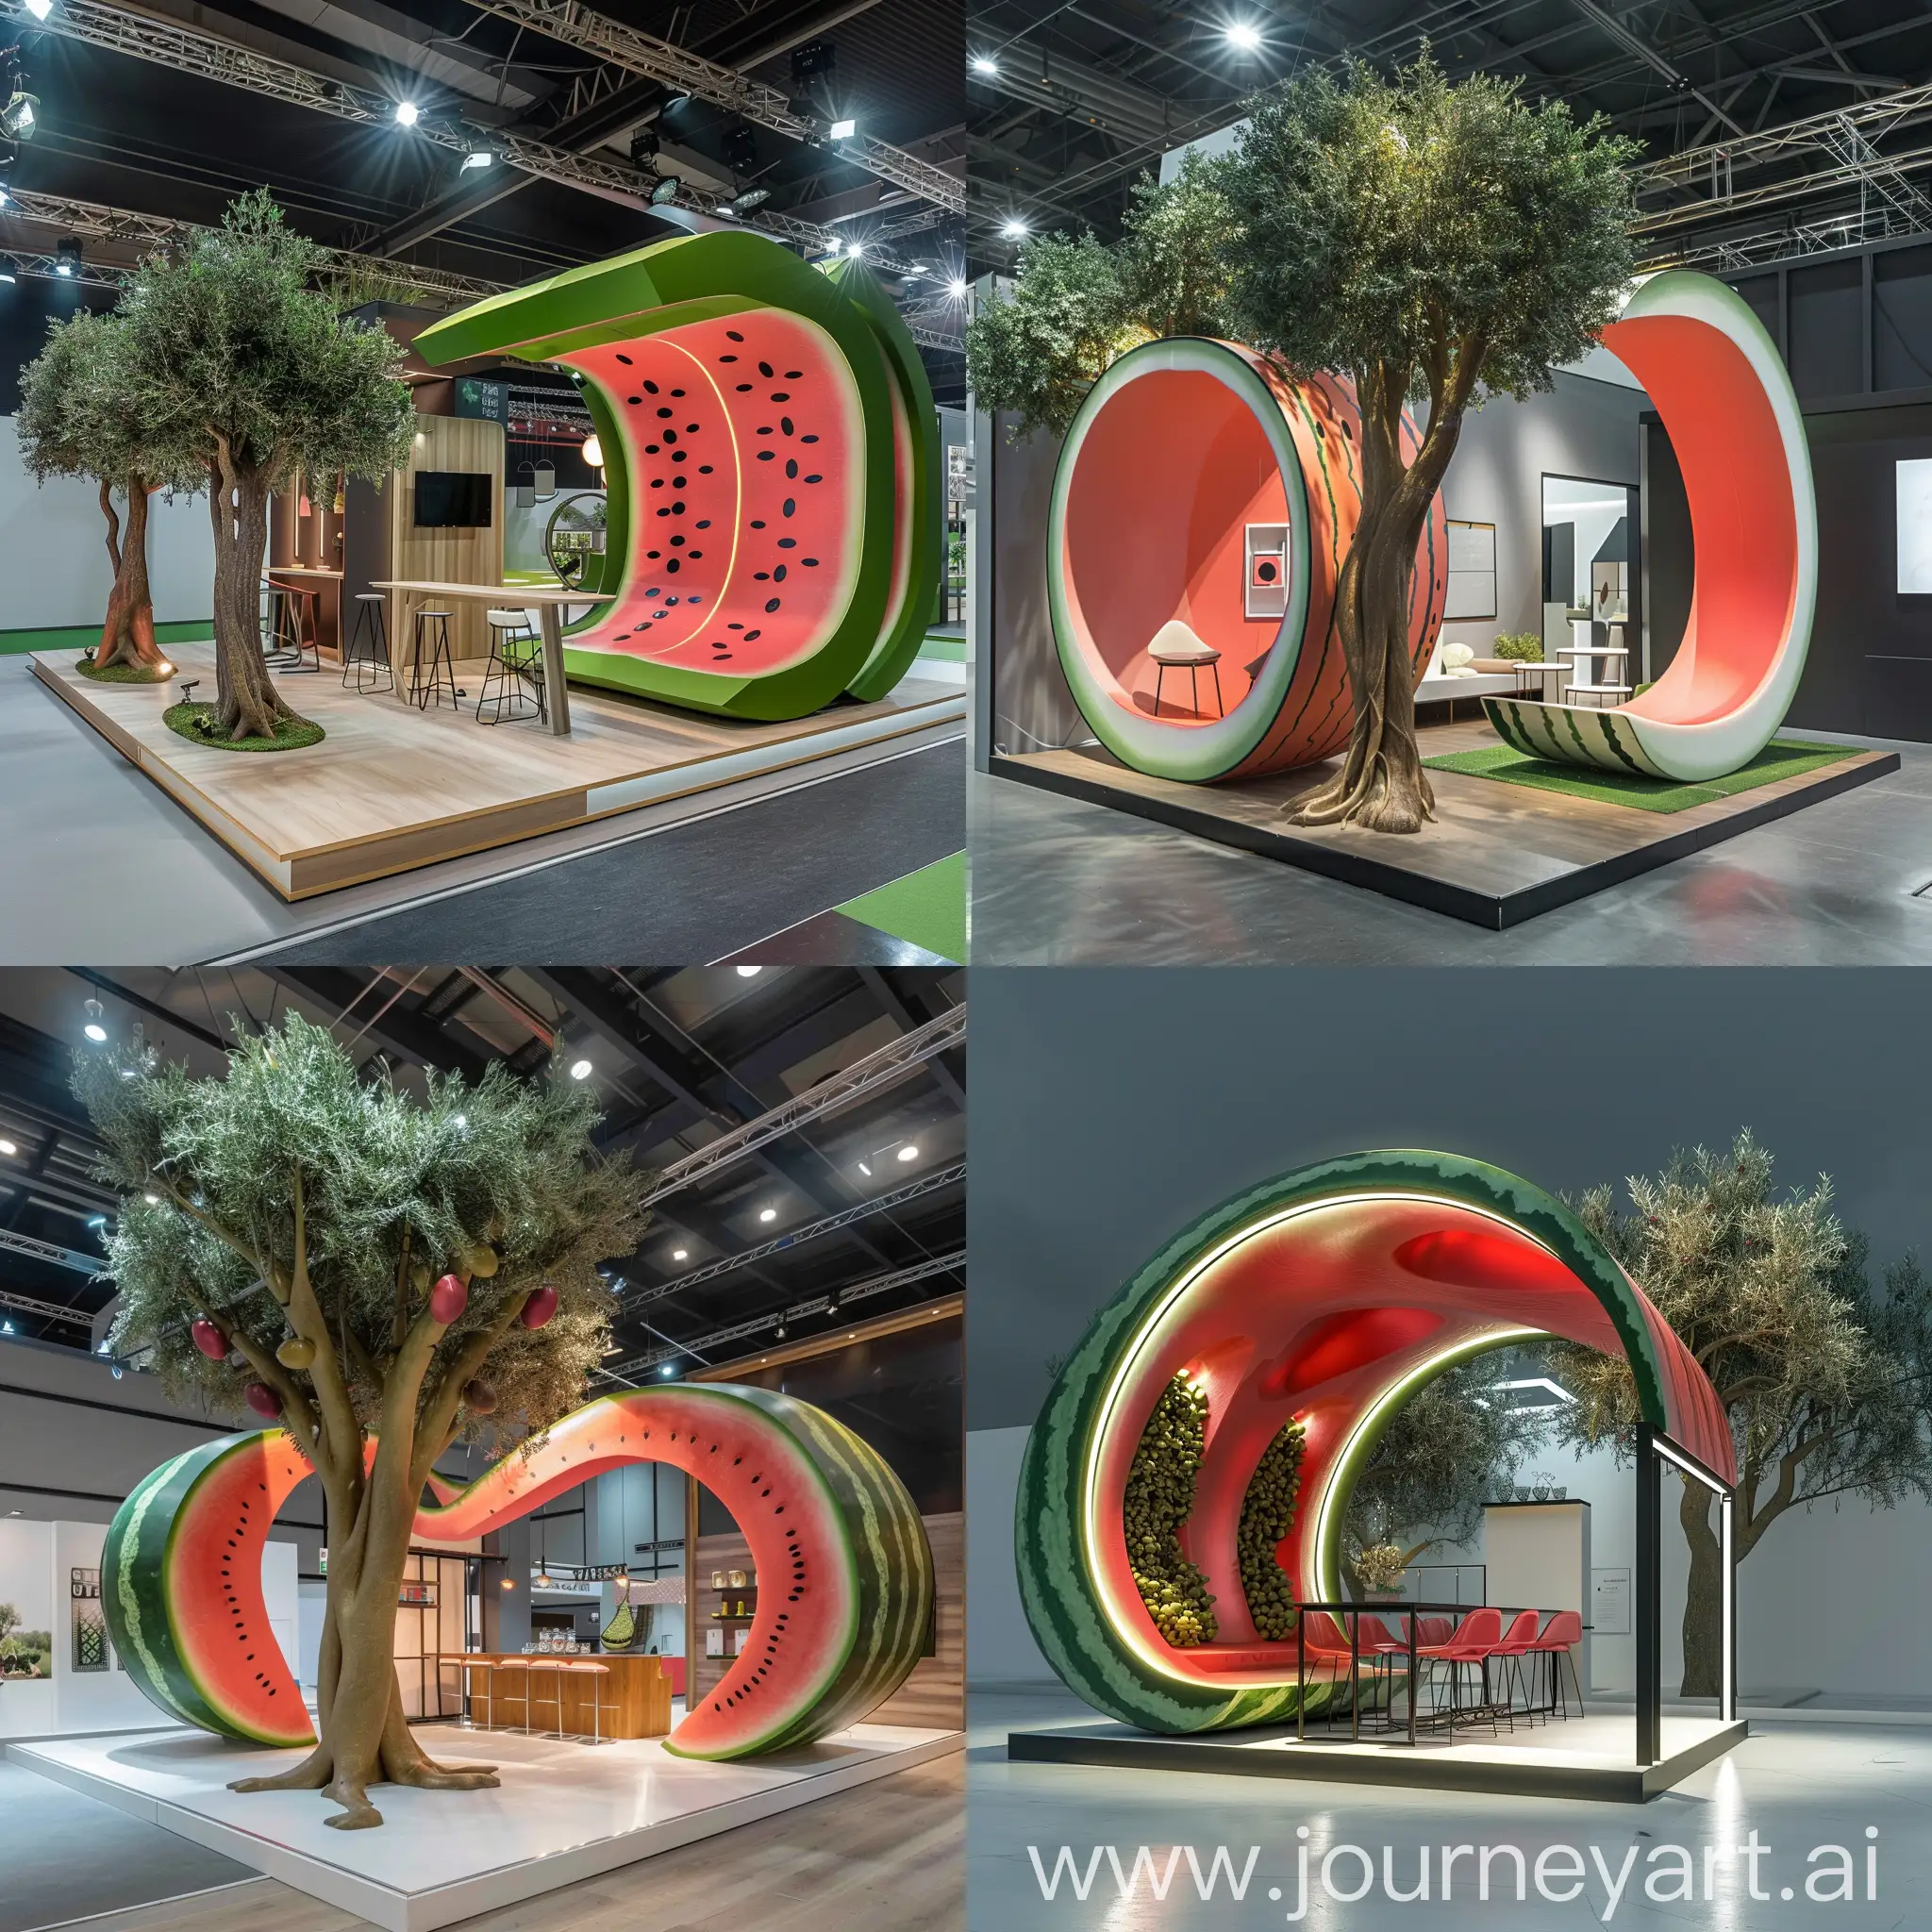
[637, 1693]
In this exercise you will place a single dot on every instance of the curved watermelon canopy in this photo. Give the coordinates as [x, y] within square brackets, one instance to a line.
[1180, 450]
[771, 453]
[844, 1573]
[1733, 419]
[1326, 1297]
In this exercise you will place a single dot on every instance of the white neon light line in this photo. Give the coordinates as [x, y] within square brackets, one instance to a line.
[1090, 1484]
[1727, 1684]
[1689, 1468]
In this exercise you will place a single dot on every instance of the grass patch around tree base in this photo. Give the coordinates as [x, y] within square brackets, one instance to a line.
[1781, 759]
[196, 724]
[121, 673]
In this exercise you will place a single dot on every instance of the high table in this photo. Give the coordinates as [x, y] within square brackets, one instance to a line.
[637, 1693]
[546, 601]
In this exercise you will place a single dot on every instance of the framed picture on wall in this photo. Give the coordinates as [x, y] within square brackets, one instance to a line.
[90, 1649]
[1472, 570]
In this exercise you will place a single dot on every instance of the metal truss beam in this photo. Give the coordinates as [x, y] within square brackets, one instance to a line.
[953, 1263]
[889, 1063]
[44, 1311]
[54, 1255]
[576, 26]
[797, 1237]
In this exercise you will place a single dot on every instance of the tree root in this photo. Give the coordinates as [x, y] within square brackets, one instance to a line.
[357, 1813]
[443, 1777]
[312, 1775]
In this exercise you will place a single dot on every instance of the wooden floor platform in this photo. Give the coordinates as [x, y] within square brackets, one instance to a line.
[1496, 854]
[391, 788]
[1585, 1757]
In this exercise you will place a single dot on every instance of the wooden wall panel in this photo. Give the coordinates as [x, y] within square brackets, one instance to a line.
[447, 556]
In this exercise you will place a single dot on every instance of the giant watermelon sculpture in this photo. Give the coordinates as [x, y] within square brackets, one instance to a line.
[845, 1577]
[771, 454]
[1205, 499]
[1298, 1316]
[1720, 387]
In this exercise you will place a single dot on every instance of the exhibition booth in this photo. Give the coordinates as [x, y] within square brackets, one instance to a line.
[1181, 1502]
[667, 523]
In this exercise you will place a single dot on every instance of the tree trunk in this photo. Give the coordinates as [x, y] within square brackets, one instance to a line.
[127, 635]
[1703, 1601]
[362, 1732]
[247, 704]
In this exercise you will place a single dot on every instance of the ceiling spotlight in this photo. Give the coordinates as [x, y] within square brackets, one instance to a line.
[408, 113]
[666, 189]
[1244, 34]
[751, 198]
[909, 1152]
[956, 288]
[865, 1170]
[67, 259]
[680, 1253]
[40, 9]
[104, 1349]
[669, 1368]
[19, 119]
[97, 1221]
[643, 145]
[476, 158]
[767, 1214]
[1013, 228]
[843, 131]
[749, 972]
[91, 1027]
[5, 1327]
[985, 63]
[855, 250]
[9, 1147]
[781, 1331]
[580, 1070]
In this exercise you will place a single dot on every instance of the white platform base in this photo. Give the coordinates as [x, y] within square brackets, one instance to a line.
[563, 1812]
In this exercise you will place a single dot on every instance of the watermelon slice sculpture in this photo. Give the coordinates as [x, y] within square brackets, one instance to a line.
[844, 1573]
[1317, 1302]
[771, 453]
[1720, 387]
[1205, 502]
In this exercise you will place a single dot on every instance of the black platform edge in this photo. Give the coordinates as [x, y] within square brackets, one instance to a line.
[1496, 913]
[1424, 1770]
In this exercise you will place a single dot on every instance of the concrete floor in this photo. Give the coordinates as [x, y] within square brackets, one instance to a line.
[1059, 882]
[97, 862]
[1797, 1786]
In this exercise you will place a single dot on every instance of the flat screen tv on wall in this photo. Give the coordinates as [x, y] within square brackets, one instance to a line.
[453, 500]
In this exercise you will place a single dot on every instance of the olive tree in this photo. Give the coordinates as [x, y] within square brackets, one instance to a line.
[384, 1273]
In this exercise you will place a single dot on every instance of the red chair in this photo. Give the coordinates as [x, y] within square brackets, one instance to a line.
[1515, 1646]
[1432, 1630]
[1474, 1642]
[1558, 1640]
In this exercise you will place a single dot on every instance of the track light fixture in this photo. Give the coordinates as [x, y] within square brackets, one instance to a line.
[19, 119]
[94, 1017]
[666, 189]
[67, 259]
[751, 198]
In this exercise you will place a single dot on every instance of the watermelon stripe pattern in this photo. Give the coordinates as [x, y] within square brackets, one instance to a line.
[845, 1574]
[1142, 476]
[1326, 1298]
[1571, 735]
[772, 456]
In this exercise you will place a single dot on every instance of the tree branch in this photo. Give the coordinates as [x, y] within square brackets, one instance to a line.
[438, 1412]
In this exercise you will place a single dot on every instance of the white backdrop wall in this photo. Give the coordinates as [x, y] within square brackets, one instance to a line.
[53, 555]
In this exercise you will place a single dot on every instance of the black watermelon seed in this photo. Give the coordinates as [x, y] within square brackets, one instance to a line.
[635, 401]
[781, 395]
[762, 576]
[695, 555]
[765, 369]
[623, 358]
[728, 359]
[676, 540]
[764, 429]
[672, 565]
[656, 482]
[703, 469]
[764, 455]
[792, 466]
[788, 542]
[734, 626]
[691, 428]
[704, 523]
[785, 424]
[677, 392]
[650, 386]
[809, 562]
[771, 604]
[653, 553]
[742, 387]
[731, 334]
[778, 575]
[757, 523]
[652, 591]
[663, 410]
[679, 456]
[677, 509]
[814, 479]
[807, 439]
[663, 512]
[669, 436]
[651, 449]
[790, 506]
[751, 634]
[792, 374]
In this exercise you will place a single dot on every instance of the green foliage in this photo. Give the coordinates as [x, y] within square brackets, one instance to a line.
[1826, 1381]
[232, 351]
[1448, 1450]
[292, 1158]
[1159, 1496]
[9, 1620]
[1419, 228]
[1267, 1516]
[201, 724]
[1077, 305]
[1521, 647]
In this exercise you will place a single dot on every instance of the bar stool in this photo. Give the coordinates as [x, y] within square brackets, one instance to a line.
[597, 1675]
[469, 1666]
[422, 689]
[511, 1663]
[368, 647]
[277, 617]
[515, 668]
[302, 612]
[553, 1668]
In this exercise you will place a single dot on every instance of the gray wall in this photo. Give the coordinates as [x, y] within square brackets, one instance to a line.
[1112, 1108]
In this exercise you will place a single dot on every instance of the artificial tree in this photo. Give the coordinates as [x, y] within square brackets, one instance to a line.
[244, 370]
[382, 1273]
[1828, 1382]
[78, 417]
[1434, 241]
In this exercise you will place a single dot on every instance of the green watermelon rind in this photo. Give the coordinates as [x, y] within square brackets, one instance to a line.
[669, 283]
[1056, 1583]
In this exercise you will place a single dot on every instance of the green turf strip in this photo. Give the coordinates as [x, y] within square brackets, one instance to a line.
[1781, 759]
[292, 734]
[120, 674]
[926, 908]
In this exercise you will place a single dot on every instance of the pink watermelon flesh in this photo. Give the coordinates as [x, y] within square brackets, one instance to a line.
[213, 1583]
[745, 452]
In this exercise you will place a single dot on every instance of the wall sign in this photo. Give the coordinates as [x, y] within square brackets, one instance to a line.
[1264, 592]
[1610, 1603]
[90, 1648]
[1914, 491]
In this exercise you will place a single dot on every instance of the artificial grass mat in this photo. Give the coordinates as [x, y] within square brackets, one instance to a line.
[292, 734]
[120, 674]
[926, 908]
[1781, 759]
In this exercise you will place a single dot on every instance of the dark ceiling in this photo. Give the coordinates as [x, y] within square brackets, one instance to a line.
[1088, 94]
[678, 1057]
[139, 135]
